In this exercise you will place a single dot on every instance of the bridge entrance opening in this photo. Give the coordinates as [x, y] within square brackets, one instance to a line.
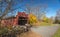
[22, 20]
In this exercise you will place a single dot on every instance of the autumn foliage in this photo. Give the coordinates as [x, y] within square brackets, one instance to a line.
[32, 18]
[47, 20]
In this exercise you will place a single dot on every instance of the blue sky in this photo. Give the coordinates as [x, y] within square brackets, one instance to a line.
[52, 5]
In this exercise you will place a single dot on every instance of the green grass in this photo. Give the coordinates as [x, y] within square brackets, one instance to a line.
[57, 34]
[46, 24]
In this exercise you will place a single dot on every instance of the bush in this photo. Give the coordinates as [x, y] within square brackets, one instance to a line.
[11, 32]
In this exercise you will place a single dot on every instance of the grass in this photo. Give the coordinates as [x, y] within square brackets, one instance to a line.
[43, 24]
[57, 34]
[46, 24]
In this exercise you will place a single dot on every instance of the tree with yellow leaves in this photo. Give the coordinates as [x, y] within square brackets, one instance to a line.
[45, 19]
[32, 19]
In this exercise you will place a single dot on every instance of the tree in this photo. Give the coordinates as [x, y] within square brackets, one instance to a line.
[51, 19]
[39, 11]
[32, 19]
[48, 20]
[45, 19]
[7, 8]
[57, 17]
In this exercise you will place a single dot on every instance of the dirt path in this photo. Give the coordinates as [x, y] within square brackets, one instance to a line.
[46, 31]
[30, 34]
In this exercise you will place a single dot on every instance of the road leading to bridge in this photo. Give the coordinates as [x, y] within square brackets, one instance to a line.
[45, 31]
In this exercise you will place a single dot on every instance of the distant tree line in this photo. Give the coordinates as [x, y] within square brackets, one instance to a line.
[57, 17]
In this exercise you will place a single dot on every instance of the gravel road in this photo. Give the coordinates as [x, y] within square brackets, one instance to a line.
[45, 31]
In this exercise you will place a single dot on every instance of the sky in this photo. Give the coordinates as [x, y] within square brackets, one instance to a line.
[52, 5]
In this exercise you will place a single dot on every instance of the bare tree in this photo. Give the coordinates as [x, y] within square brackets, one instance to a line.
[57, 18]
[39, 10]
[7, 6]
[6, 10]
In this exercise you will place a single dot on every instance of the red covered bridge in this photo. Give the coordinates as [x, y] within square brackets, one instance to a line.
[20, 19]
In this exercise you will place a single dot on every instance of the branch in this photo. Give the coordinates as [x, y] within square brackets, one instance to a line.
[6, 10]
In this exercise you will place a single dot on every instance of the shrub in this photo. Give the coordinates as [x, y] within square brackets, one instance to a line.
[11, 32]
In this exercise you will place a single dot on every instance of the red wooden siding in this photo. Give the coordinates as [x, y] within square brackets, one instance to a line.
[14, 20]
